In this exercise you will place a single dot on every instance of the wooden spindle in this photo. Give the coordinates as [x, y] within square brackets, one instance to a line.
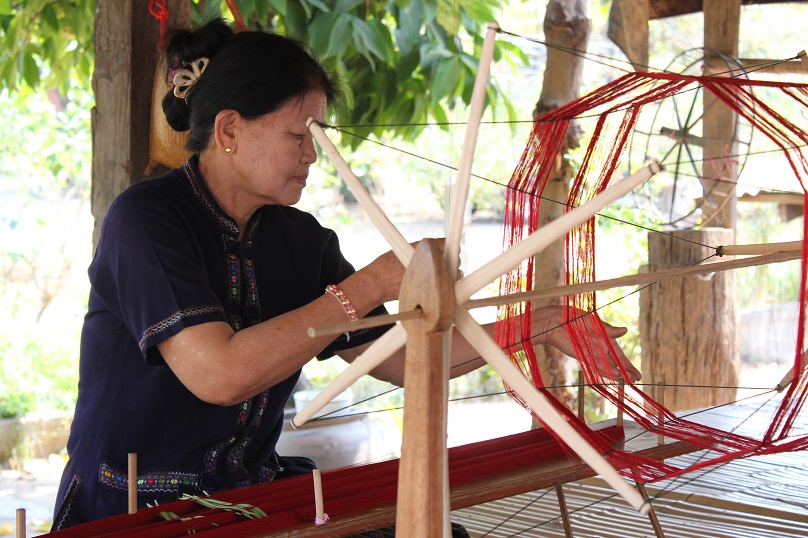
[621, 398]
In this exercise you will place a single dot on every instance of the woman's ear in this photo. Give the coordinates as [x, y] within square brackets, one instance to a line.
[226, 130]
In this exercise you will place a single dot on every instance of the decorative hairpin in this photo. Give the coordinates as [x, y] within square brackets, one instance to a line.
[185, 78]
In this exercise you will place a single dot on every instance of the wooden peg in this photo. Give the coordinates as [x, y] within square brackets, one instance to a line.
[319, 510]
[652, 517]
[661, 414]
[21, 528]
[562, 508]
[132, 476]
[621, 398]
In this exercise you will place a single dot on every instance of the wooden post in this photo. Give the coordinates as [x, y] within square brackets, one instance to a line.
[721, 30]
[126, 38]
[423, 505]
[689, 327]
[562, 508]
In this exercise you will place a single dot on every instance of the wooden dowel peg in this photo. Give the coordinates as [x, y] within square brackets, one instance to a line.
[377, 353]
[547, 234]
[457, 207]
[319, 510]
[562, 508]
[652, 517]
[400, 246]
[621, 398]
[634, 280]
[538, 403]
[786, 381]
[364, 323]
[21, 525]
[132, 482]
[757, 249]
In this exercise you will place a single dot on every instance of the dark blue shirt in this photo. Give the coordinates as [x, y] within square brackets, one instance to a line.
[168, 258]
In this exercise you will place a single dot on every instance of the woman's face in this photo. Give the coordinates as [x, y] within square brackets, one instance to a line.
[275, 151]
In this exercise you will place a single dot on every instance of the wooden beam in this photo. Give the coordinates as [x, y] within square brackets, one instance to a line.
[661, 9]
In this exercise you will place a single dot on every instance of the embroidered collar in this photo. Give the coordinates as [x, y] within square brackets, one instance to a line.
[205, 198]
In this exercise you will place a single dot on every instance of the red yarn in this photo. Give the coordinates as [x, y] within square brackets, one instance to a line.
[617, 105]
[158, 9]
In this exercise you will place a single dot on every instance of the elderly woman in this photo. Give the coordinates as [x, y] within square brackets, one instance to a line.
[205, 281]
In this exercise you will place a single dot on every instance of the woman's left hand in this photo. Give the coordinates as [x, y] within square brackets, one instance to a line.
[549, 322]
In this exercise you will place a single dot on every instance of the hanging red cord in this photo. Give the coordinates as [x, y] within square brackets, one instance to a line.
[240, 26]
[158, 9]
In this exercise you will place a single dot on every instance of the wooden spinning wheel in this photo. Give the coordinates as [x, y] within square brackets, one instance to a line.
[432, 304]
[671, 131]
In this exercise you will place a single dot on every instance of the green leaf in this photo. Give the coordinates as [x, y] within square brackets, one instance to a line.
[5, 7]
[441, 82]
[30, 71]
[280, 6]
[340, 35]
[376, 39]
[49, 17]
[318, 4]
[345, 6]
[320, 31]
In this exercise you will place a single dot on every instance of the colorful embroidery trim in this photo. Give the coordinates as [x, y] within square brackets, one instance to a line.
[162, 482]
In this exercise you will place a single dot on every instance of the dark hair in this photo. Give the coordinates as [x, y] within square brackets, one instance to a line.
[253, 73]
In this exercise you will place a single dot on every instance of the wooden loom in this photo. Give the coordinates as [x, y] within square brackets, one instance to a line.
[435, 303]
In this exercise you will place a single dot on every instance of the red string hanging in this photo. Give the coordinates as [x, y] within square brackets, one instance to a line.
[240, 26]
[158, 9]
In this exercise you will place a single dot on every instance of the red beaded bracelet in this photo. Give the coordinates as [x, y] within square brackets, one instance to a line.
[343, 300]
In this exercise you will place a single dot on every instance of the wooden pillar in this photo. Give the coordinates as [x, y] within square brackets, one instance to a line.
[628, 28]
[126, 39]
[689, 326]
[721, 30]
[423, 504]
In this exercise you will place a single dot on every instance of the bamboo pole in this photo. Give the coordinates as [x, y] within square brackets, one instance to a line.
[400, 246]
[539, 404]
[381, 349]
[541, 238]
[461, 191]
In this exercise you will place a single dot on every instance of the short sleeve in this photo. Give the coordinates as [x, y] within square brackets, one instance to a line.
[148, 274]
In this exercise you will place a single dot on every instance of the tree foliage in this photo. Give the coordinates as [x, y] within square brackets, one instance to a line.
[405, 62]
[46, 43]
